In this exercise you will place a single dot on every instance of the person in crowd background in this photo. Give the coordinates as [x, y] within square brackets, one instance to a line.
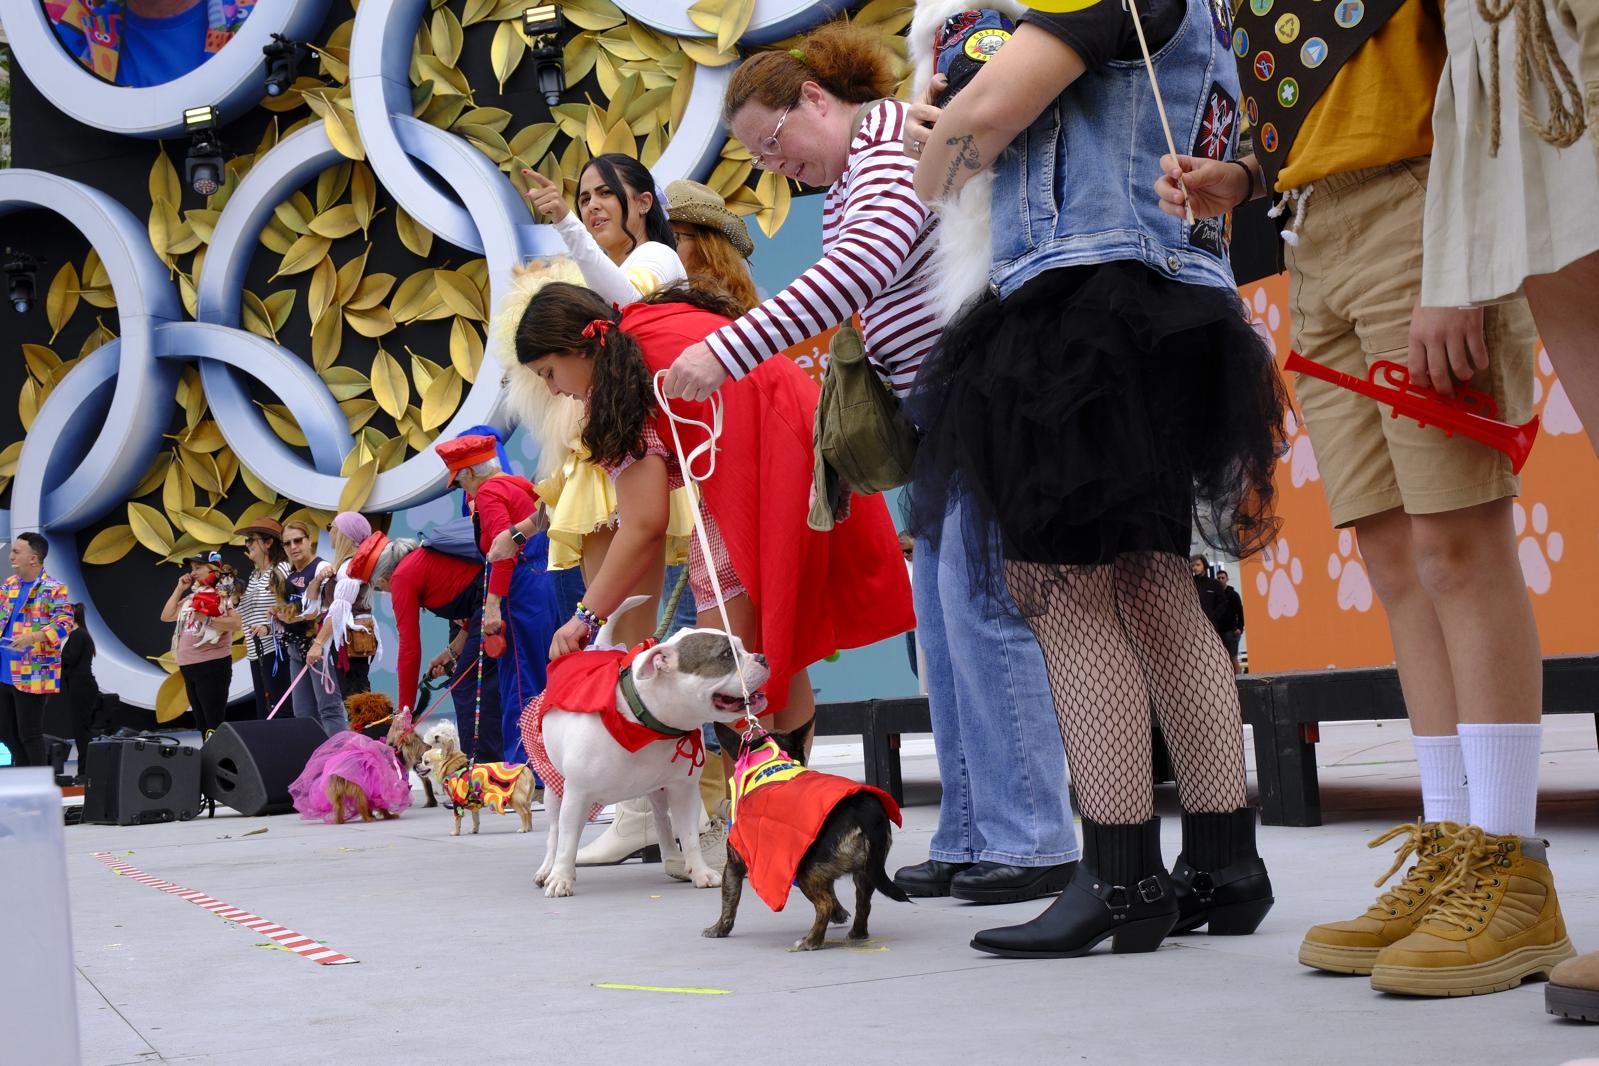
[1230, 618]
[263, 542]
[38, 618]
[79, 688]
[300, 603]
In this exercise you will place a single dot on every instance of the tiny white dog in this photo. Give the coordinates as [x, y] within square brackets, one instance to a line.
[697, 676]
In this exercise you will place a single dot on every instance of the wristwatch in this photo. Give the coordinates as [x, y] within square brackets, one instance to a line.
[518, 537]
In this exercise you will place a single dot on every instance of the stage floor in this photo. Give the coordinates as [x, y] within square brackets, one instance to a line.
[458, 958]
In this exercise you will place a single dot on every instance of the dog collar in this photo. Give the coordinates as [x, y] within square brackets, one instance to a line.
[645, 718]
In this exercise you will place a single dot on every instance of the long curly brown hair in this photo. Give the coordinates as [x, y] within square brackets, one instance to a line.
[621, 395]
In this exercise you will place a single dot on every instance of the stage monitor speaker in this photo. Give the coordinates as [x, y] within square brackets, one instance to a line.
[249, 765]
[137, 780]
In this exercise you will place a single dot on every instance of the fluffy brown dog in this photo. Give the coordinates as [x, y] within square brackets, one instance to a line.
[494, 784]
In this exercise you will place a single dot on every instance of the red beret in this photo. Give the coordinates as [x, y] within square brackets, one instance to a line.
[366, 556]
[461, 453]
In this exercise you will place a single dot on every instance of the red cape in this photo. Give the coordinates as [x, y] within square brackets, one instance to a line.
[814, 593]
[586, 681]
[777, 823]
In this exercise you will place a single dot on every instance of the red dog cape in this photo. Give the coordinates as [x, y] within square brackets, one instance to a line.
[585, 682]
[779, 806]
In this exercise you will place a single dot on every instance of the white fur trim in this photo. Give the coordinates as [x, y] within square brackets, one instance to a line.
[962, 252]
[553, 421]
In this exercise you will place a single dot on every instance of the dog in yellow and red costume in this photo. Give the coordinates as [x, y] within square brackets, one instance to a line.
[792, 825]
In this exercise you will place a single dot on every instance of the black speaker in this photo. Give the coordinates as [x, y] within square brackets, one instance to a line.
[137, 780]
[249, 766]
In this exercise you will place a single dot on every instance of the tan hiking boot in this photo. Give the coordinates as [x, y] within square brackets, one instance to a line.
[1494, 922]
[1352, 946]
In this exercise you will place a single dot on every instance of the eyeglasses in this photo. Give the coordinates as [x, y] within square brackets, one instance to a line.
[770, 147]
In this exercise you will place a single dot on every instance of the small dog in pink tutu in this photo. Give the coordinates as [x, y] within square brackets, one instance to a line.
[351, 774]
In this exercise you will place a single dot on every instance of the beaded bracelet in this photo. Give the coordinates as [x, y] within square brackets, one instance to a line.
[588, 618]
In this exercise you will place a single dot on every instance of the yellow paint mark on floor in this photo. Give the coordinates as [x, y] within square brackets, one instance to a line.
[664, 988]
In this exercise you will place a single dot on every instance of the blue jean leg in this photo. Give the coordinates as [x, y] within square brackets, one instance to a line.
[993, 720]
[466, 694]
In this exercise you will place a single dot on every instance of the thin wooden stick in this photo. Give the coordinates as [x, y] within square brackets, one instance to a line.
[1160, 106]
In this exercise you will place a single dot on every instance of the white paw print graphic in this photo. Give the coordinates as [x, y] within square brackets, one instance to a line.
[1348, 568]
[1538, 547]
[1559, 418]
[1266, 317]
[1301, 457]
[1279, 579]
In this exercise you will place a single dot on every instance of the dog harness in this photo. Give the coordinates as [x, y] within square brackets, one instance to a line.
[488, 784]
[586, 682]
[778, 808]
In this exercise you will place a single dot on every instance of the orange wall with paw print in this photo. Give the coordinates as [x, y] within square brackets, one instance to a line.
[1307, 601]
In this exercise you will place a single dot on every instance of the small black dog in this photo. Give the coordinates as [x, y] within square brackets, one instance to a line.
[853, 839]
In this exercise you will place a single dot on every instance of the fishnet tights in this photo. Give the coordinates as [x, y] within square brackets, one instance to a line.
[1118, 640]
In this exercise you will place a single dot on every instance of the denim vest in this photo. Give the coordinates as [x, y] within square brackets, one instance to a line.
[1077, 186]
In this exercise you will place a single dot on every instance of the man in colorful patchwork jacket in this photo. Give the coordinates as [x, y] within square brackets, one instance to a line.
[37, 615]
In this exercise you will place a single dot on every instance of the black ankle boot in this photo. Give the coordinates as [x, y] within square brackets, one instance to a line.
[1219, 878]
[1120, 890]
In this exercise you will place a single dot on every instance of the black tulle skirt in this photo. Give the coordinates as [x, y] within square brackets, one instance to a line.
[1098, 412]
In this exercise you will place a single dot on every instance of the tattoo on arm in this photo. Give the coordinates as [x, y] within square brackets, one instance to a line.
[966, 156]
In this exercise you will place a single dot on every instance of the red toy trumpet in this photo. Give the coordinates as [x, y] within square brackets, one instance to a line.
[1470, 412]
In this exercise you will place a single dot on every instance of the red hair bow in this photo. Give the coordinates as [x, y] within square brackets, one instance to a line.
[599, 327]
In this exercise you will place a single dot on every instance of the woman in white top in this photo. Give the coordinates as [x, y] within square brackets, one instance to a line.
[346, 607]
[621, 240]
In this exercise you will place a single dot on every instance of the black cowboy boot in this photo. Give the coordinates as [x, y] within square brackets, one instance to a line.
[1219, 878]
[1120, 890]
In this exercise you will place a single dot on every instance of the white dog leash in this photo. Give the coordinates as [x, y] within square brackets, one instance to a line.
[685, 463]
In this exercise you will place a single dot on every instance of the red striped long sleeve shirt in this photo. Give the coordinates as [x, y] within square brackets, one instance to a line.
[876, 261]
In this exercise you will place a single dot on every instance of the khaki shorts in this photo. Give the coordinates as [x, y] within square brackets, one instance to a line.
[1355, 278]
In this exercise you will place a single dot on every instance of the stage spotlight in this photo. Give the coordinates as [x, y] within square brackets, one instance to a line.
[19, 268]
[282, 63]
[204, 166]
[542, 26]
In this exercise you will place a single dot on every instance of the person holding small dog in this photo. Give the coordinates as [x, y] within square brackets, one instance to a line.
[1106, 391]
[314, 691]
[206, 663]
[791, 593]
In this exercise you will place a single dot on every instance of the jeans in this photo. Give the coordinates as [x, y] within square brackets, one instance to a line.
[490, 747]
[1000, 757]
[311, 697]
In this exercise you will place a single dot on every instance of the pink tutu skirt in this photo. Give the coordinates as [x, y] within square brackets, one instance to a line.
[355, 757]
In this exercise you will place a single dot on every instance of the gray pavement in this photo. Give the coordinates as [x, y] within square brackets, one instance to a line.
[460, 959]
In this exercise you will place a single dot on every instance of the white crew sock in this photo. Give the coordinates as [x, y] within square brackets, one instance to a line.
[1502, 776]
[1443, 779]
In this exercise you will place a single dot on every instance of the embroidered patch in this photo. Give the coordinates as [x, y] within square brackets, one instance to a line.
[984, 43]
[956, 25]
[1251, 112]
[1288, 92]
[1288, 28]
[1240, 42]
[1268, 137]
[1313, 53]
[1265, 65]
[1206, 233]
[1217, 127]
[1348, 13]
[1261, 7]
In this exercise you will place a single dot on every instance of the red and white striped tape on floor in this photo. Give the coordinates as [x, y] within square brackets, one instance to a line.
[287, 939]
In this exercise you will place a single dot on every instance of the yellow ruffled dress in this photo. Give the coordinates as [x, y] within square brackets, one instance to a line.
[580, 498]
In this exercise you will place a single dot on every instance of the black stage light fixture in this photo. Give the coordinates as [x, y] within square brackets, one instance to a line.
[282, 63]
[203, 167]
[19, 268]
[542, 26]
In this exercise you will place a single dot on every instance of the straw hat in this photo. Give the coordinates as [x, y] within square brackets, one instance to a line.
[267, 527]
[689, 201]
